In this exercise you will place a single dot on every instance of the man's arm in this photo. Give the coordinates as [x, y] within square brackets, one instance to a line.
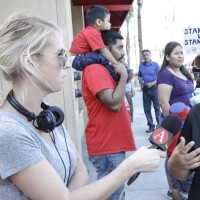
[113, 98]
[141, 81]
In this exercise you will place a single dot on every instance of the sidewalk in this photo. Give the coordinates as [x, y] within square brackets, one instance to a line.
[148, 186]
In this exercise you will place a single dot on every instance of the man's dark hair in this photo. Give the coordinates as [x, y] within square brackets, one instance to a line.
[146, 50]
[110, 37]
[96, 12]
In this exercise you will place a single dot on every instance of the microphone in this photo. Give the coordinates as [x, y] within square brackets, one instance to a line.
[180, 109]
[170, 125]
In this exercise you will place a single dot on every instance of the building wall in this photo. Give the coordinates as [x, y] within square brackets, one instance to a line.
[78, 24]
[59, 12]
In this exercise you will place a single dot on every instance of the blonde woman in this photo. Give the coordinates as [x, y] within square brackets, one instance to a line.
[38, 159]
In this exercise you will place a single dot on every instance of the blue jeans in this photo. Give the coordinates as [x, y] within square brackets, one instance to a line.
[183, 186]
[104, 164]
[150, 95]
[83, 60]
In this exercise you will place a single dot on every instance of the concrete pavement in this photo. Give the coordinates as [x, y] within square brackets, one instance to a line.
[148, 186]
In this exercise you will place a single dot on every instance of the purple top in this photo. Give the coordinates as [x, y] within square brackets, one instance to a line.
[182, 89]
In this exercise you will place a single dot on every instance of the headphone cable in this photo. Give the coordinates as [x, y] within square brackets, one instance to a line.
[53, 140]
[68, 154]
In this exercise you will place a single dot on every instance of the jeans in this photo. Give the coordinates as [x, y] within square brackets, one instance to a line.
[83, 60]
[151, 95]
[183, 186]
[104, 164]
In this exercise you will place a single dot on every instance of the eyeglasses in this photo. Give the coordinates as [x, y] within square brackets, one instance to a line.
[62, 58]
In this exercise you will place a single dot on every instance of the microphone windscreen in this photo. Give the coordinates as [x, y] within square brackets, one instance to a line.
[172, 123]
[180, 109]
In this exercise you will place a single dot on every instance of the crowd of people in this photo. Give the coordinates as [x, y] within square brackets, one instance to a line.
[38, 159]
[175, 85]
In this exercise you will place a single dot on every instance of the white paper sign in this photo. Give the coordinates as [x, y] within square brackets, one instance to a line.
[192, 40]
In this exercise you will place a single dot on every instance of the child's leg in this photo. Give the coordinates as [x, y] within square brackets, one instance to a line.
[177, 187]
[83, 60]
[130, 75]
[168, 176]
[175, 194]
[78, 62]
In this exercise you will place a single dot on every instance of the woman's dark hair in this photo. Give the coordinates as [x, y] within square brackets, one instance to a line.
[192, 63]
[96, 12]
[168, 50]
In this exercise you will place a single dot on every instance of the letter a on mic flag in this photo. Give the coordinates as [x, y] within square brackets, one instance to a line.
[170, 125]
[160, 137]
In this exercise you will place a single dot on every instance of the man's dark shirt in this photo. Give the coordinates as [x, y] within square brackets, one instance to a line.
[196, 72]
[191, 132]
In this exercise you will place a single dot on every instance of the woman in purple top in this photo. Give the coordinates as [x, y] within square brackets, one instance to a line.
[174, 85]
[174, 81]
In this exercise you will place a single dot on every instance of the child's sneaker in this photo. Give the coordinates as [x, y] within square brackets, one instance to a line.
[183, 198]
[169, 194]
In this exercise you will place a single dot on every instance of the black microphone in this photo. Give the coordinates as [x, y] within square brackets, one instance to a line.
[169, 127]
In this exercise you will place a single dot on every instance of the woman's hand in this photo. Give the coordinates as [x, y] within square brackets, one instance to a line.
[146, 160]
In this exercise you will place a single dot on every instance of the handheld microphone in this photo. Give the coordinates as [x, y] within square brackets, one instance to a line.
[170, 125]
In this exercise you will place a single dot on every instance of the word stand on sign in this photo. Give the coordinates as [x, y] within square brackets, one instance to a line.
[192, 40]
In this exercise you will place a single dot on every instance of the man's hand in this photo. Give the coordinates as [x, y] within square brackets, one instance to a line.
[124, 63]
[149, 85]
[119, 68]
[182, 161]
[141, 81]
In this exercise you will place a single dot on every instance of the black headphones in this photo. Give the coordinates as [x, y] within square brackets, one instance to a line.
[46, 121]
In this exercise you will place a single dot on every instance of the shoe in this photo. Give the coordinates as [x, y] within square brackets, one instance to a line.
[183, 197]
[151, 129]
[169, 194]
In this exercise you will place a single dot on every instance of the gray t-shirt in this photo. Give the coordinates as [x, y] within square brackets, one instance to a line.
[21, 146]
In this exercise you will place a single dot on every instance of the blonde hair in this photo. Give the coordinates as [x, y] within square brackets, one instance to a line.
[20, 34]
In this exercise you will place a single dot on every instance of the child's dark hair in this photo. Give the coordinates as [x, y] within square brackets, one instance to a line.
[96, 12]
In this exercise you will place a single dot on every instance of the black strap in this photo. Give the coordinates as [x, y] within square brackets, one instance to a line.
[11, 99]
